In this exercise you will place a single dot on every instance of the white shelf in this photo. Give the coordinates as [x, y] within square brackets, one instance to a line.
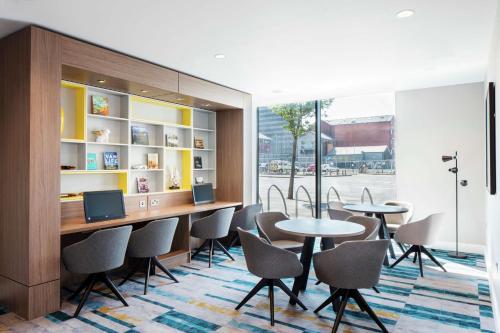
[204, 149]
[205, 169]
[146, 146]
[63, 140]
[98, 116]
[146, 170]
[158, 123]
[203, 129]
[106, 143]
[178, 148]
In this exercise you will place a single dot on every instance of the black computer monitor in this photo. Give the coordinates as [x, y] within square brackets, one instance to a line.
[203, 193]
[103, 205]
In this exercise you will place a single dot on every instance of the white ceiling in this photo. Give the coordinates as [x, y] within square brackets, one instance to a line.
[306, 49]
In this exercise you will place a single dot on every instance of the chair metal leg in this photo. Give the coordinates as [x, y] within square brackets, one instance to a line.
[132, 272]
[198, 250]
[406, 254]
[427, 253]
[164, 269]
[85, 295]
[357, 297]
[329, 300]
[371, 313]
[262, 283]
[223, 249]
[271, 301]
[317, 283]
[343, 304]
[287, 291]
[419, 255]
[233, 242]
[415, 257]
[210, 253]
[107, 281]
[401, 247]
[148, 271]
[80, 288]
[376, 290]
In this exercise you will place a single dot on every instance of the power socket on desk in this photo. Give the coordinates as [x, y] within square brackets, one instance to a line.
[155, 202]
[142, 203]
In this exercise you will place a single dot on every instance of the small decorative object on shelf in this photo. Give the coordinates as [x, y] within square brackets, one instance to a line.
[100, 105]
[91, 161]
[171, 140]
[102, 136]
[142, 185]
[198, 180]
[140, 136]
[69, 195]
[198, 143]
[174, 179]
[153, 161]
[111, 160]
[198, 163]
[139, 167]
[68, 167]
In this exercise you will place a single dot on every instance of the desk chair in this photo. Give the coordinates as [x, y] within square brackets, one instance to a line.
[244, 219]
[212, 228]
[147, 243]
[271, 264]
[351, 266]
[101, 252]
[418, 234]
[265, 226]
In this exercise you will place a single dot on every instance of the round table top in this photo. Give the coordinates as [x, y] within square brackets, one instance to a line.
[375, 209]
[311, 227]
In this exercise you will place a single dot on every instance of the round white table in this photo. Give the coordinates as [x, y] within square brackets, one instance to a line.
[310, 228]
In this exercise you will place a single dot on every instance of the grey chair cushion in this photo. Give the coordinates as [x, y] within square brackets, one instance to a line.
[351, 265]
[102, 251]
[245, 217]
[421, 232]
[214, 226]
[153, 239]
[267, 261]
[339, 214]
[371, 225]
[267, 229]
[287, 244]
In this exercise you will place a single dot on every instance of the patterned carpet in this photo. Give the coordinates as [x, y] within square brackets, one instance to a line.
[204, 301]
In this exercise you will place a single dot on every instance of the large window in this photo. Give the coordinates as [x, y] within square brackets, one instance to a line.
[356, 149]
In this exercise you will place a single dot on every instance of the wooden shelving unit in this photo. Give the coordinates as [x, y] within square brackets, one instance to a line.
[159, 118]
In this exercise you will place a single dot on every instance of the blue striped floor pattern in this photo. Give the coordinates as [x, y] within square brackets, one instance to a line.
[204, 301]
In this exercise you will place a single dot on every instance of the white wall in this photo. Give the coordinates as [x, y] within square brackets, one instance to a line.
[433, 122]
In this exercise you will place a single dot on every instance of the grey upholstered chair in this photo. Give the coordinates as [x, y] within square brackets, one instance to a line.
[212, 228]
[336, 211]
[394, 221]
[351, 266]
[147, 243]
[99, 253]
[418, 234]
[267, 229]
[244, 219]
[271, 264]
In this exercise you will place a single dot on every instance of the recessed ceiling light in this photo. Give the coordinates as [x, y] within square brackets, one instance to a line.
[101, 81]
[277, 91]
[143, 91]
[220, 56]
[405, 13]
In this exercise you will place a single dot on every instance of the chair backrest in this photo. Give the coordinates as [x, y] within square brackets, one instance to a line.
[339, 214]
[153, 239]
[267, 229]
[102, 251]
[402, 218]
[371, 225]
[213, 226]
[351, 265]
[245, 217]
[335, 204]
[267, 261]
[423, 232]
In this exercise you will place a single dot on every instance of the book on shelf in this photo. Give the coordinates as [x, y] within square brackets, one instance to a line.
[153, 161]
[198, 162]
[91, 161]
[142, 185]
[140, 136]
[111, 160]
[100, 105]
[199, 143]
[171, 140]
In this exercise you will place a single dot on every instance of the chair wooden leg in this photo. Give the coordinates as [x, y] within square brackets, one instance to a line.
[427, 253]
[343, 304]
[80, 288]
[406, 254]
[419, 255]
[376, 290]
[223, 249]
[262, 283]
[271, 301]
[107, 281]
[148, 271]
[415, 257]
[132, 271]
[164, 269]
[329, 300]
[287, 291]
[210, 253]
[371, 313]
[198, 250]
[86, 294]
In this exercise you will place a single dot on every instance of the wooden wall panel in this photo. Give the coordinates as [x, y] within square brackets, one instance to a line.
[71, 209]
[192, 86]
[116, 65]
[230, 155]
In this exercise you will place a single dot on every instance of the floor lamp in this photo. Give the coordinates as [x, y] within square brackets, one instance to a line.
[447, 158]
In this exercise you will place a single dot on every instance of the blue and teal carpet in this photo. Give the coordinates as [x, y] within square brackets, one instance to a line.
[204, 301]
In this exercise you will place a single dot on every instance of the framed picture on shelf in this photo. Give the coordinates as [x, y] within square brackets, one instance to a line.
[491, 160]
[198, 143]
[91, 161]
[142, 185]
[111, 160]
[140, 136]
[198, 163]
[100, 105]
[198, 180]
[171, 140]
[153, 161]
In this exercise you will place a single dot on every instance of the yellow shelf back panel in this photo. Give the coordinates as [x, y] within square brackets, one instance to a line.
[160, 112]
[76, 182]
[186, 170]
[73, 106]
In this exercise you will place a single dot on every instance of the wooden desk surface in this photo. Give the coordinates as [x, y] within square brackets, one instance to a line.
[75, 225]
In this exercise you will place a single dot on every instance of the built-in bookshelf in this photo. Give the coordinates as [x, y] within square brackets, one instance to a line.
[171, 129]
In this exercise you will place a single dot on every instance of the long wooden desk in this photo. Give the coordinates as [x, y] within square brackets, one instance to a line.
[75, 225]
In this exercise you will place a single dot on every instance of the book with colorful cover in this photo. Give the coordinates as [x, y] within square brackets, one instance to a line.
[153, 161]
[91, 161]
[100, 105]
[111, 160]
[142, 185]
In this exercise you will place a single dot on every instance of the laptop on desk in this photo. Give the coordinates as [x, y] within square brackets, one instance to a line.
[203, 194]
[103, 205]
